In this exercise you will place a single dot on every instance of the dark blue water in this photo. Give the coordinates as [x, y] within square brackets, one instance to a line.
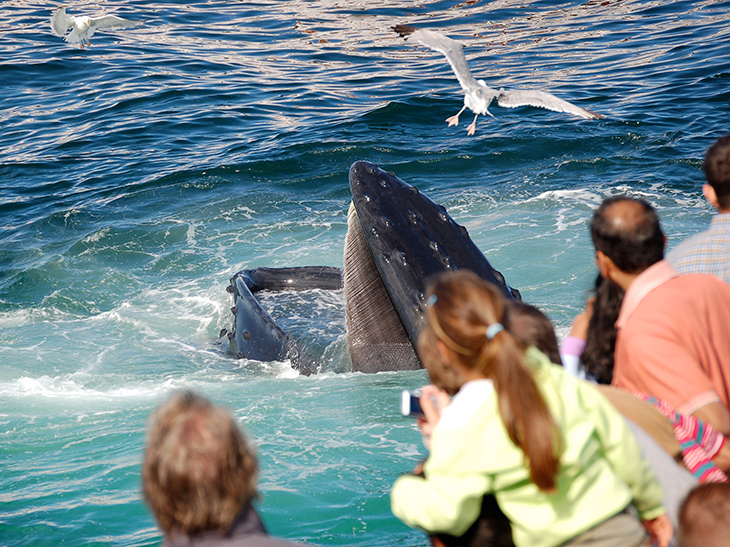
[140, 173]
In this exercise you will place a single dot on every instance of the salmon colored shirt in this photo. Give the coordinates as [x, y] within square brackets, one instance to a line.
[674, 338]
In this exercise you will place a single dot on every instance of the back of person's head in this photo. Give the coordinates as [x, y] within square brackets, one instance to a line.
[704, 517]
[467, 315]
[628, 231]
[533, 328]
[198, 472]
[717, 170]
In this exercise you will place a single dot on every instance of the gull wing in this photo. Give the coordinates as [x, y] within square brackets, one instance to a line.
[60, 22]
[112, 21]
[445, 45]
[528, 97]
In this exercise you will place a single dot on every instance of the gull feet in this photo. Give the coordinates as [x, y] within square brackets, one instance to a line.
[453, 120]
[472, 128]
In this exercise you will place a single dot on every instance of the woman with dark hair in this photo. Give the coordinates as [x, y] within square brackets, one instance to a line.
[588, 349]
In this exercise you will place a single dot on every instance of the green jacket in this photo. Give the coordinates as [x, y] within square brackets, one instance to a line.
[601, 471]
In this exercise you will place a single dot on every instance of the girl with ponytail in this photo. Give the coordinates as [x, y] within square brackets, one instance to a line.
[559, 459]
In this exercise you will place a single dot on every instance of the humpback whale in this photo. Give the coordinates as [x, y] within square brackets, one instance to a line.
[396, 239]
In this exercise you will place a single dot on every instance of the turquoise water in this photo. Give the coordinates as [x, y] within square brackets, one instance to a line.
[138, 175]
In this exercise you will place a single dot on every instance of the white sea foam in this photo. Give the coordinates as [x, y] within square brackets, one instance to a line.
[97, 236]
[68, 388]
[571, 196]
[32, 315]
[88, 386]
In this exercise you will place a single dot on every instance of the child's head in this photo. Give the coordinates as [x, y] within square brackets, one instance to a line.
[529, 325]
[459, 308]
[704, 517]
[466, 336]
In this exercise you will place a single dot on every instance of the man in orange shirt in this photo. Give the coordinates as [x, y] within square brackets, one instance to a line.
[673, 330]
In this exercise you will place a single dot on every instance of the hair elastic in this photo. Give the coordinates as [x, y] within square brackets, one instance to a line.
[493, 329]
[431, 300]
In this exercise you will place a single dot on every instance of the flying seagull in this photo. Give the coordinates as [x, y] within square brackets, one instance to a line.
[84, 26]
[477, 95]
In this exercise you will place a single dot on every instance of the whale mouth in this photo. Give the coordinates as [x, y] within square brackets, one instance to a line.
[376, 337]
[397, 238]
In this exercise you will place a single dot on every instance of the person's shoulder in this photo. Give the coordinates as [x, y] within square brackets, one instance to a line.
[551, 377]
[722, 220]
[679, 303]
[691, 254]
[472, 396]
[537, 360]
[703, 282]
[685, 287]
[689, 247]
[540, 364]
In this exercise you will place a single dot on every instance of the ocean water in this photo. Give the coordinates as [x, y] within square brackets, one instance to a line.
[139, 174]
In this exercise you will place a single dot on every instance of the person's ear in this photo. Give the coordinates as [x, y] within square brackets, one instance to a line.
[604, 265]
[710, 195]
[445, 353]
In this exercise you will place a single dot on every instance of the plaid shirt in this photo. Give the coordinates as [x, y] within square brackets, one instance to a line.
[707, 252]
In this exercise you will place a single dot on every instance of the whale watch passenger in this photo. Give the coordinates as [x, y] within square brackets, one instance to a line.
[559, 459]
[199, 477]
[709, 251]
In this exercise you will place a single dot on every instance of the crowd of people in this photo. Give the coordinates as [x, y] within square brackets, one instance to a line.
[619, 447]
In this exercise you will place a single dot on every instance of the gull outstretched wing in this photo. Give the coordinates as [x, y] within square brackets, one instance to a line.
[451, 49]
[60, 22]
[112, 21]
[528, 97]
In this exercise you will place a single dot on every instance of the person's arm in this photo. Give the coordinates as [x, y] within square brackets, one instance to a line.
[433, 401]
[660, 529]
[445, 500]
[440, 503]
[570, 353]
[579, 327]
[574, 344]
[715, 414]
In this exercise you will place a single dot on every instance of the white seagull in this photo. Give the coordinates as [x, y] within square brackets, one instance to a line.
[477, 95]
[84, 26]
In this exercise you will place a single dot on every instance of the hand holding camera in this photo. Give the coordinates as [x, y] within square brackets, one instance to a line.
[426, 408]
